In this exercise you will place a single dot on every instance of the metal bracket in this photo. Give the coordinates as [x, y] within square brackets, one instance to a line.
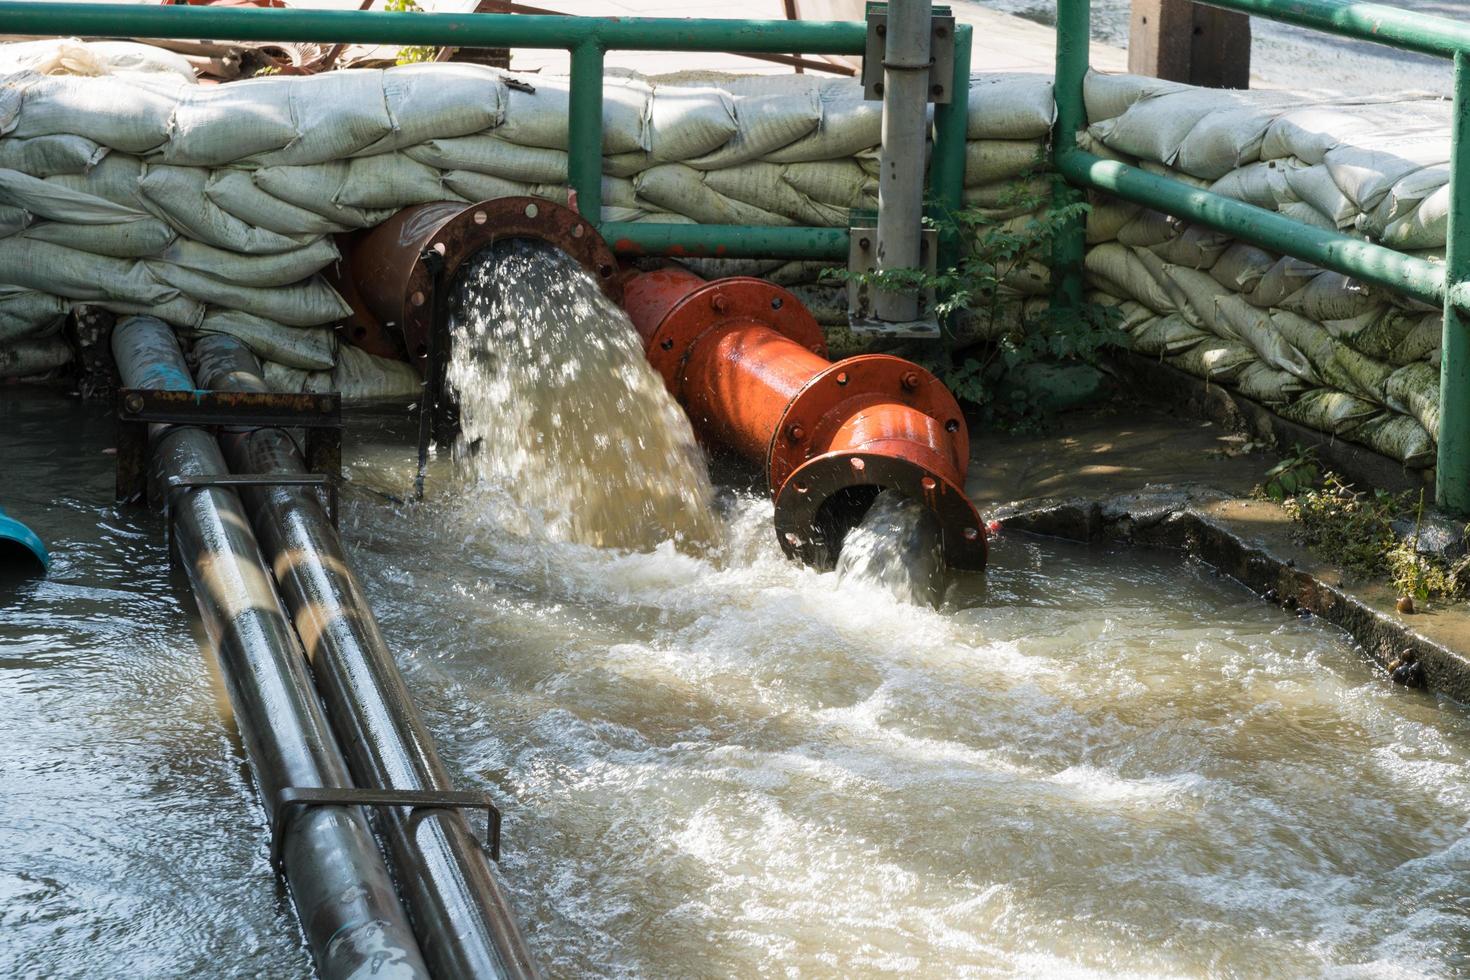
[294, 799]
[862, 257]
[138, 408]
[200, 481]
[941, 54]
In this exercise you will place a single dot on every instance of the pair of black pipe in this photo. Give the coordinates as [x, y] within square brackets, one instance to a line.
[458, 921]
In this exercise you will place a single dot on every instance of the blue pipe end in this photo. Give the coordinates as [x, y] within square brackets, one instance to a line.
[20, 548]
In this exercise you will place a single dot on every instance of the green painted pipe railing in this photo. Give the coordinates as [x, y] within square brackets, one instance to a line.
[1447, 284]
[587, 39]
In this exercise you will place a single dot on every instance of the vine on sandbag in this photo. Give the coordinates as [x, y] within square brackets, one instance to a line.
[982, 357]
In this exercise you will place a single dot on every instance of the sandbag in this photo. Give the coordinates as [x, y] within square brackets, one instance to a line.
[309, 303]
[1414, 390]
[1397, 437]
[688, 121]
[124, 240]
[312, 349]
[1009, 106]
[1109, 96]
[236, 193]
[1241, 267]
[489, 154]
[176, 194]
[58, 202]
[1254, 326]
[839, 183]
[1266, 183]
[279, 269]
[1117, 269]
[1163, 335]
[438, 101]
[27, 358]
[47, 156]
[675, 187]
[990, 160]
[850, 123]
[1331, 411]
[771, 112]
[1262, 383]
[1214, 360]
[536, 115]
[27, 314]
[1332, 296]
[132, 117]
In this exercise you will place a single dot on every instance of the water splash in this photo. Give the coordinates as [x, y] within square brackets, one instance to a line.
[561, 413]
[897, 548]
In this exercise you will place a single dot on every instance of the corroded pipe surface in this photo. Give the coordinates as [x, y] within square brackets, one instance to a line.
[749, 365]
[463, 918]
[390, 287]
[344, 897]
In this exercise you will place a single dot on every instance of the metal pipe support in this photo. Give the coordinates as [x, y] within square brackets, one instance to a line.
[906, 64]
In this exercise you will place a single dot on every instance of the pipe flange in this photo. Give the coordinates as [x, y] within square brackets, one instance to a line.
[392, 287]
[722, 301]
[810, 522]
[839, 391]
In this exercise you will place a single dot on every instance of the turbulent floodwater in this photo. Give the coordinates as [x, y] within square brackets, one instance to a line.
[1085, 763]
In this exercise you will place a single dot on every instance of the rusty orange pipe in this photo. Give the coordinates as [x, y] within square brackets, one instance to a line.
[749, 365]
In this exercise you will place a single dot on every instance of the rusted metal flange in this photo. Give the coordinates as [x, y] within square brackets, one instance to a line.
[827, 495]
[392, 287]
[725, 301]
[867, 383]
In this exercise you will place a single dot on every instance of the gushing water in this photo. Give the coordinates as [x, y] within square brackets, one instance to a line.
[561, 412]
[896, 548]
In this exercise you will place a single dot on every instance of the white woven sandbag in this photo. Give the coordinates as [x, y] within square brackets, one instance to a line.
[1107, 216]
[1161, 336]
[762, 185]
[78, 275]
[987, 161]
[46, 156]
[335, 114]
[1197, 247]
[306, 348]
[1154, 127]
[536, 113]
[27, 358]
[1424, 227]
[1333, 296]
[57, 202]
[116, 178]
[1268, 385]
[484, 187]
[1148, 228]
[1315, 186]
[308, 303]
[236, 193]
[1397, 437]
[1230, 136]
[131, 115]
[1198, 297]
[1312, 339]
[1332, 411]
[218, 124]
[1109, 96]
[279, 269]
[685, 122]
[1266, 183]
[1117, 269]
[391, 181]
[1255, 327]
[1215, 360]
[1398, 338]
[176, 194]
[1009, 106]
[1304, 213]
[675, 187]
[1241, 267]
[123, 240]
[362, 377]
[850, 123]
[28, 314]
[839, 183]
[1355, 373]
[438, 101]
[1414, 390]
[1309, 132]
[71, 56]
[771, 112]
[489, 154]
[1366, 169]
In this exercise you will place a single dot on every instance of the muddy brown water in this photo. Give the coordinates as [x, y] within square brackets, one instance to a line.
[1086, 763]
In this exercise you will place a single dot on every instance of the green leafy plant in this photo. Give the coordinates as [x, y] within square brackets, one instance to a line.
[1354, 530]
[987, 343]
[1292, 475]
[411, 55]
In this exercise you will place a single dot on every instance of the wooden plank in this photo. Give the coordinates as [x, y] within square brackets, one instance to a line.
[1185, 42]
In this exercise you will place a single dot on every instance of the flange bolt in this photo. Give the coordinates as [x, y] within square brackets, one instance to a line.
[134, 404]
[911, 381]
[795, 432]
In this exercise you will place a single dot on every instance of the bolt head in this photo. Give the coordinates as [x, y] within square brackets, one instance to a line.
[911, 381]
[719, 303]
[133, 403]
[795, 432]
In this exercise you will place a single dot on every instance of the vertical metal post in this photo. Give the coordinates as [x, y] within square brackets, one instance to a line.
[906, 57]
[951, 125]
[1069, 247]
[1452, 476]
[584, 129]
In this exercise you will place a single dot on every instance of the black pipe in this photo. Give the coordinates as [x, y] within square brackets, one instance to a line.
[464, 920]
[354, 924]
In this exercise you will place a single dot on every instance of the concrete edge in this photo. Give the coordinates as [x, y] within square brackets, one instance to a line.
[1191, 522]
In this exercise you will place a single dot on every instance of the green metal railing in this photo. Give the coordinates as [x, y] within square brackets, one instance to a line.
[587, 39]
[1447, 284]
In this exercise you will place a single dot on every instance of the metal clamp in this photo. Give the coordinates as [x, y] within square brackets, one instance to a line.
[941, 50]
[862, 260]
[294, 799]
[138, 408]
[176, 484]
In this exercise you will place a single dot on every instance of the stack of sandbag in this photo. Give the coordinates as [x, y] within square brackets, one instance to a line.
[214, 207]
[1320, 348]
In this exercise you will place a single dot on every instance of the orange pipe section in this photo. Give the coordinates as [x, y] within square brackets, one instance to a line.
[749, 365]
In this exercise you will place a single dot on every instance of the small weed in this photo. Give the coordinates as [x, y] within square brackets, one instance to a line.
[1292, 475]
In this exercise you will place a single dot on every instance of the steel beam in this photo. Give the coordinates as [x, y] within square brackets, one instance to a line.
[1452, 475]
